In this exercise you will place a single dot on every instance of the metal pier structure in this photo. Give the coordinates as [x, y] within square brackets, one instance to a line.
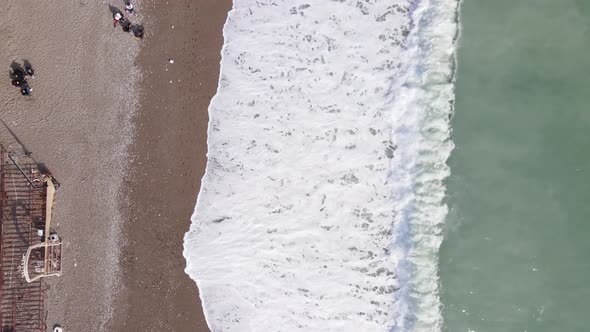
[28, 249]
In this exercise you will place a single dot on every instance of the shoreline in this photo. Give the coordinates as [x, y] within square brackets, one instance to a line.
[168, 161]
[128, 147]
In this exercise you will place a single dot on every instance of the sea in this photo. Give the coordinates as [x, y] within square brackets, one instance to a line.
[395, 165]
[515, 249]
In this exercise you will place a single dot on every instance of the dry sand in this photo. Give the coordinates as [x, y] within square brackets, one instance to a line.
[84, 121]
[78, 122]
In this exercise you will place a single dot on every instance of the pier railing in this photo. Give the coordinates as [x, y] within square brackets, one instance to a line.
[28, 250]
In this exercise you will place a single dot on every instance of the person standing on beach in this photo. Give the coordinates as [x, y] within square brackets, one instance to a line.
[125, 24]
[129, 7]
[138, 31]
[17, 73]
[29, 71]
[28, 68]
[116, 17]
[25, 89]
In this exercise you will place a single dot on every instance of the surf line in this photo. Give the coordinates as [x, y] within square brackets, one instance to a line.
[421, 103]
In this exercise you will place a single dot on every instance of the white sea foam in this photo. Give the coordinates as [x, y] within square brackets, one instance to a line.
[321, 206]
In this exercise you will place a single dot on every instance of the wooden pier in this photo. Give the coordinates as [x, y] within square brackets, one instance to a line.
[28, 249]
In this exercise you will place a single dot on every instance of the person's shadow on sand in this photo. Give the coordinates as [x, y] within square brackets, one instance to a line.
[114, 10]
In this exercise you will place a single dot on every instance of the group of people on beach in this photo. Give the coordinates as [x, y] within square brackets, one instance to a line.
[126, 25]
[18, 75]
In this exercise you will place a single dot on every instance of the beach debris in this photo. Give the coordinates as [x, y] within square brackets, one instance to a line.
[171, 60]
[57, 328]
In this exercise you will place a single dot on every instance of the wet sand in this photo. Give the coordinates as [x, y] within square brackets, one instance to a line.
[127, 146]
[169, 154]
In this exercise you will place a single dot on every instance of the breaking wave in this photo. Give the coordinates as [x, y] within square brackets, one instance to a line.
[322, 203]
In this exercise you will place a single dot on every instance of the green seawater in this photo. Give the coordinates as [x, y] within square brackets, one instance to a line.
[516, 253]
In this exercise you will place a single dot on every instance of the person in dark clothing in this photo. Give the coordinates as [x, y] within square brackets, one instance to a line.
[138, 31]
[28, 69]
[125, 24]
[29, 72]
[25, 89]
[17, 73]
